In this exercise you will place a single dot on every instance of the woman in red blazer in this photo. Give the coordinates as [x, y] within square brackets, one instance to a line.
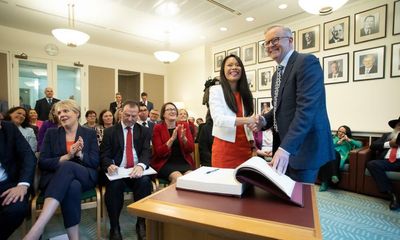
[172, 145]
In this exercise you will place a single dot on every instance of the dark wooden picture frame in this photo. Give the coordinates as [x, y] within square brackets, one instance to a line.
[264, 104]
[370, 24]
[396, 17]
[308, 39]
[262, 53]
[372, 59]
[233, 51]
[337, 33]
[336, 68]
[395, 63]
[249, 54]
[264, 78]
[218, 58]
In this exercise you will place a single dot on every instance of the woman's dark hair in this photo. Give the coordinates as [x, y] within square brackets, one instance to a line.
[242, 87]
[88, 112]
[101, 122]
[25, 123]
[348, 131]
[164, 106]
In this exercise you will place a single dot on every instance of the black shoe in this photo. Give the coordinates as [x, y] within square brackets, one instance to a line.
[141, 229]
[394, 202]
[115, 234]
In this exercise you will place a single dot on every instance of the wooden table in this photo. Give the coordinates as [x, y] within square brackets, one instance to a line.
[174, 214]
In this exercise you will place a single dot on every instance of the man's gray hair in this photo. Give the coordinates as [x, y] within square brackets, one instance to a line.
[288, 31]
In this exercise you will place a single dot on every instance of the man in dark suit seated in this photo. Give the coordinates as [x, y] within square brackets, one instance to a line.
[114, 106]
[388, 147]
[17, 168]
[43, 105]
[126, 144]
[146, 102]
[143, 118]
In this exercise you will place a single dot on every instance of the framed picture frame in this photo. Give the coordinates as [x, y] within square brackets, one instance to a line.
[336, 68]
[337, 33]
[396, 17]
[294, 40]
[369, 64]
[233, 51]
[251, 79]
[309, 39]
[264, 105]
[254, 105]
[264, 78]
[262, 53]
[218, 58]
[248, 54]
[370, 24]
[395, 63]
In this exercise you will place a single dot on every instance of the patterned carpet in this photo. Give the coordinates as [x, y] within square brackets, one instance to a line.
[343, 215]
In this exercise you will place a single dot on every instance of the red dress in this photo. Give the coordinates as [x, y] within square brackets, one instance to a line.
[230, 155]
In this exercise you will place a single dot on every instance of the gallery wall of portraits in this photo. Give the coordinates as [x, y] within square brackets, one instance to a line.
[359, 51]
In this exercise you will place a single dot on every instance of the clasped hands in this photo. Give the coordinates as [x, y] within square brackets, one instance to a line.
[137, 171]
[76, 150]
[180, 131]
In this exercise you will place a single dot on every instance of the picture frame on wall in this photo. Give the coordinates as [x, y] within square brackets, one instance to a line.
[369, 64]
[264, 78]
[218, 58]
[294, 40]
[233, 51]
[370, 24]
[262, 53]
[254, 105]
[309, 39]
[396, 17]
[251, 79]
[395, 63]
[264, 105]
[336, 68]
[248, 54]
[336, 33]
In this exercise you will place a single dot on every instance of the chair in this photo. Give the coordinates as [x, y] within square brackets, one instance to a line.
[89, 199]
[365, 182]
[348, 176]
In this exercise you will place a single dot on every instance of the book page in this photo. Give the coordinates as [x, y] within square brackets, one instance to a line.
[124, 173]
[261, 166]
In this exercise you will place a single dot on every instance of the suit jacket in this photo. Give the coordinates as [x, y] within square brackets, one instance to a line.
[302, 119]
[112, 147]
[377, 145]
[374, 69]
[161, 150]
[16, 156]
[149, 105]
[54, 146]
[332, 40]
[42, 108]
[339, 74]
[364, 33]
[113, 107]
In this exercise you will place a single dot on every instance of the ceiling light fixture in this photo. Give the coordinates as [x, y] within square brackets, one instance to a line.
[167, 9]
[166, 56]
[250, 19]
[70, 36]
[321, 7]
[283, 6]
[223, 29]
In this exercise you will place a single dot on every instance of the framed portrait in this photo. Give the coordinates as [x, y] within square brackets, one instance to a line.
[336, 68]
[396, 18]
[251, 79]
[395, 66]
[309, 39]
[294, 40]
[370, 24]
[369, 64]
[233, 51]
[336, 33]
[264, 78]
[262, 53]
[264, 105]
[248, 54]
[218, 58]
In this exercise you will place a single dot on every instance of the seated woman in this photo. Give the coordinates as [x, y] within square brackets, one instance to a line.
[183, 116]
[172, 145]
[34, 121]
[91, 119]
[343, 144]
[53, 122]
[18, 115]
[68, 162]
[106, 120]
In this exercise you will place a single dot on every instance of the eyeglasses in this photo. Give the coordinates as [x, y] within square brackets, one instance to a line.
[170, 110]
[273, 41]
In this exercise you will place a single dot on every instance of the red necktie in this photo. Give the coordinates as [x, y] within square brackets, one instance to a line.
[128, 149]
[392, 155]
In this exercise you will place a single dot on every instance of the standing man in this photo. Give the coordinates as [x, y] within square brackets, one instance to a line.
[302, 140]
[126, 144]
[43, 105]
[17, 168]
[114, 106]
[146, 102]
[143, 118]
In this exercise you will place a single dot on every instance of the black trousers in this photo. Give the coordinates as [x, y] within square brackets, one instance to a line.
[114, 196]
[330, 169]
[378, 169]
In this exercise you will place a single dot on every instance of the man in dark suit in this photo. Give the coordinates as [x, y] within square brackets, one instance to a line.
[369, 65]
[335, 71]
[146, 102]
[43, 105]
[154, 116]
[308, 40]
[17, 168]
[302, 140]
[123, 148]
[143, 118]
[370, 27]
[388, 149]
[337, 33]
[114, 106]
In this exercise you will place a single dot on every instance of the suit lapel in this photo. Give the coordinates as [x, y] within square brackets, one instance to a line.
[287, 70]
[120, 135]
[62, 140]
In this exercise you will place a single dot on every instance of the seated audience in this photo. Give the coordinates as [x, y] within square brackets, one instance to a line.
[388, 160]
[68, 162]
[18, 115]
[17, 168]
[172, 145]
[126, 144]
[183, 116]
[143, 117]
[118, 115]
[91, 119]
[154, 116]
[106, 120]
[33, 119]
[343, 142]
[52, 122]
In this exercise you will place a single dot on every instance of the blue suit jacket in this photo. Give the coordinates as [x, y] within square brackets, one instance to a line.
[54, 146]
[302, 119]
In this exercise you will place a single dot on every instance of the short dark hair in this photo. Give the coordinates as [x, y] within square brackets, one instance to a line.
[143, 94]
[130, 103]
[88, 112]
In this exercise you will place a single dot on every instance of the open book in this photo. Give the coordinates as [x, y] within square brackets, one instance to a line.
[254, 171]
[124, 173]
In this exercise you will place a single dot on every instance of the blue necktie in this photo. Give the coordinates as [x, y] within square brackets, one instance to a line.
[276, 92]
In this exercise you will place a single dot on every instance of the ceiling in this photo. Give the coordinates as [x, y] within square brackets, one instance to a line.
[133, 25]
